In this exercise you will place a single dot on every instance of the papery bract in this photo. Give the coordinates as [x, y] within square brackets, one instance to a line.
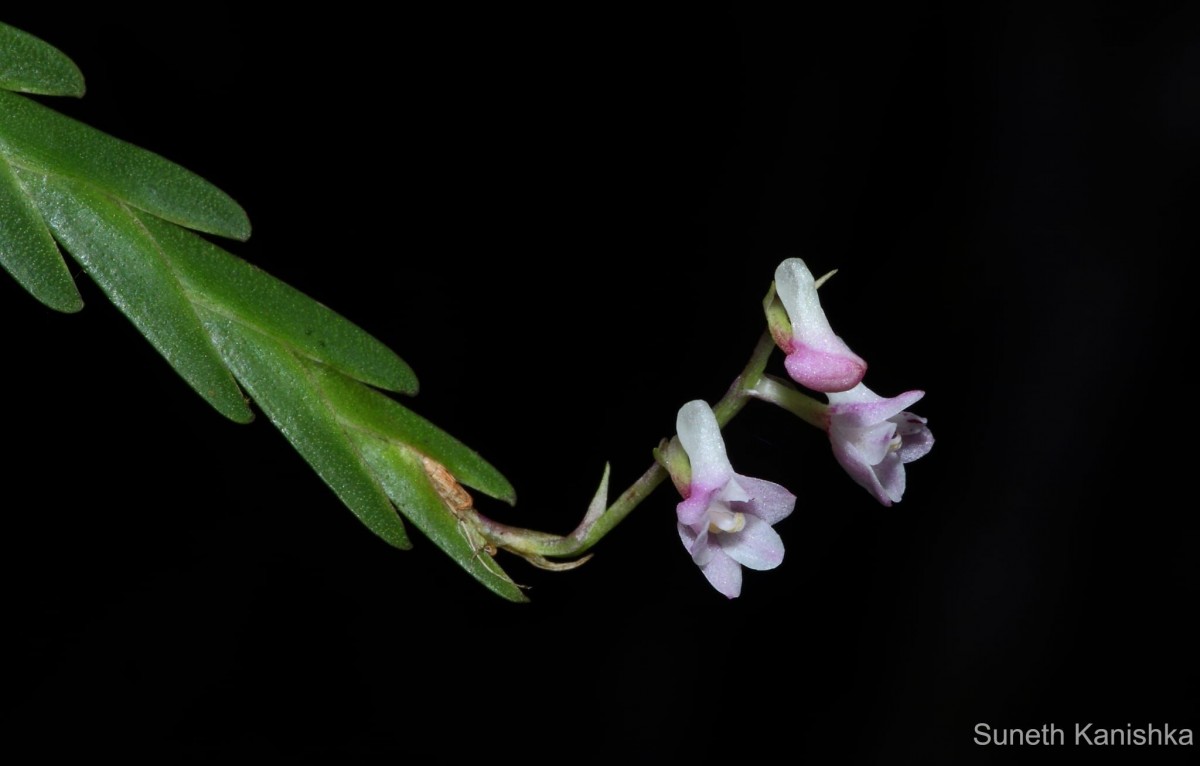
[874, 437]
[725, 518]
[816, 357]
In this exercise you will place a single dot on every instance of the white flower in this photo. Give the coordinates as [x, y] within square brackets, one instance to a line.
[873, 438]
[816, 357]
[725, 518]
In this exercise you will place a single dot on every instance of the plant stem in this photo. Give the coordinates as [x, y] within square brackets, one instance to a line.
[779, 393]
[528, 541]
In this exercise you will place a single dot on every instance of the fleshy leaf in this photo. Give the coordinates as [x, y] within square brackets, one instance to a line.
[286, 391]
[387, 419]
[27, 250]
[120, 255]
[407, 484]
[229, 285]
[30, 65]
[40, 139]
[117, 209]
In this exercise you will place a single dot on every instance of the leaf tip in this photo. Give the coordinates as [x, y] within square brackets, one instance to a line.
[229, 221]
[64, 301]
[404, 379]
[77, 87]
[32, 65]
[241, 415]
[239, 224]
[244, 229]
[507, 494]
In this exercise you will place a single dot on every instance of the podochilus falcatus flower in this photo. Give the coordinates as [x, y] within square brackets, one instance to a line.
[873, 438]
[816, 357]
[725, 519]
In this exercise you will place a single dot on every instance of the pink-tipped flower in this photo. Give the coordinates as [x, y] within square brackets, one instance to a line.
[816, 358]
[725, 518]
[874, 437]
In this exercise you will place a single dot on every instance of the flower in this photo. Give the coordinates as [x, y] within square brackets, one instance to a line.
[725, 518]
[816, 358]
[874, 437]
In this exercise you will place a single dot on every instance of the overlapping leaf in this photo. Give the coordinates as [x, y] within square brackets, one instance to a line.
[229, 285]
[381, 417]
[223, 324]
[283, 388]
[393, 442]
[404, 479]
[40, 139]
[29, 65]
[120, 255]
[27, 250]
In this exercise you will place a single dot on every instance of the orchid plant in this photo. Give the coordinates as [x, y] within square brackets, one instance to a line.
[133, 221]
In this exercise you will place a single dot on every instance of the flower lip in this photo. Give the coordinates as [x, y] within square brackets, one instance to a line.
[821, 370]
[816, 357]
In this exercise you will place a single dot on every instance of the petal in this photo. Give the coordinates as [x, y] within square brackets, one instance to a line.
[871, 444]
[757, 546]
[704, 548]
[820, 370]
[733, 491]
[797, 290]
[700, 436]
[818, 359]
[695, 507]
[860, 394]
[687, 535]
[916, 438]
[724, 574]
[860, 470]
[699, 545]
[769, 501]
[890, 474]
[860, 406]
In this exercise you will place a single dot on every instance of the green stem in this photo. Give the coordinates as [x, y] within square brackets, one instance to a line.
[775, 391]
[541, 544]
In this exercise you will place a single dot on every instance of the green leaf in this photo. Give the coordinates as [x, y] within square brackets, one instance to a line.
[39, 139]
[27, 250]
[392, 441]
[408, 485]
[387, 419]
[121, 256]
[117, 209]
[229, 285]
[287, 393]
[27, 64]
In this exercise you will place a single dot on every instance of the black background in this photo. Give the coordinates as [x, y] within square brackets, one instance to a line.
[1009, 197]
